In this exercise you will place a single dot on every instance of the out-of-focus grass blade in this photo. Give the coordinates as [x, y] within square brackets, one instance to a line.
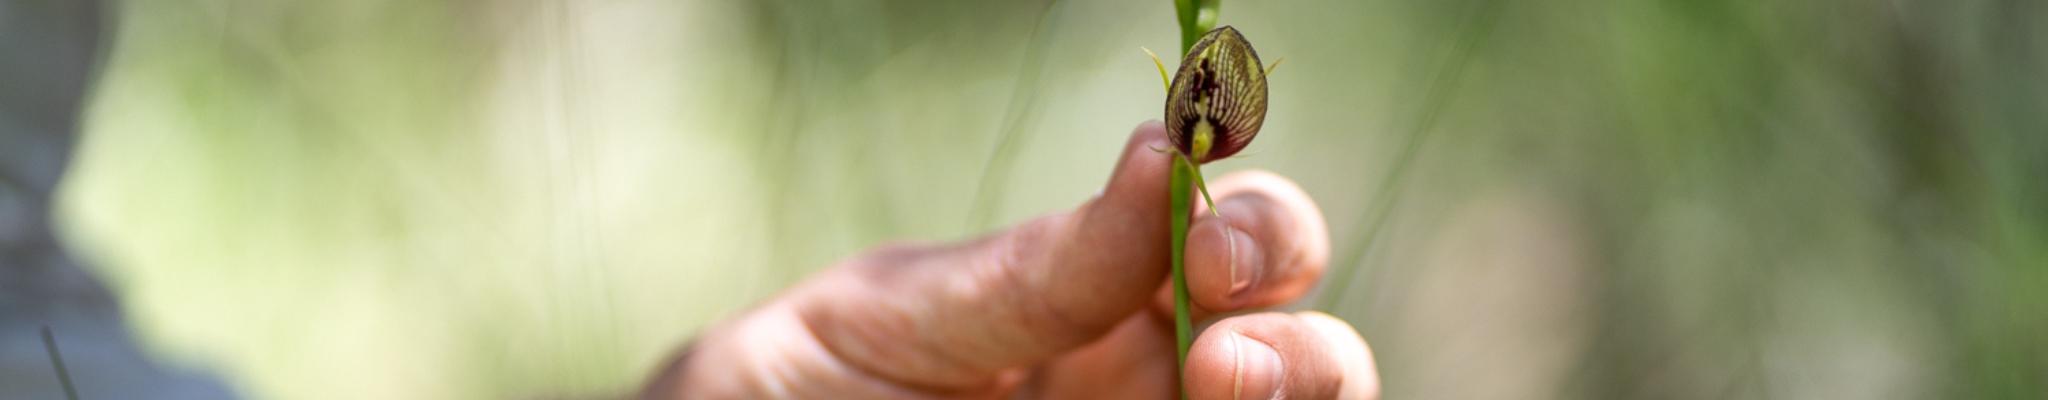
[1023, 98]
[1474, 33]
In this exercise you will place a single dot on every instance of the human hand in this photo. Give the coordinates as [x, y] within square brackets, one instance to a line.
[1072, 305]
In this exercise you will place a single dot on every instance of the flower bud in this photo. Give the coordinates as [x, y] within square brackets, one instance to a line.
[1218, 98]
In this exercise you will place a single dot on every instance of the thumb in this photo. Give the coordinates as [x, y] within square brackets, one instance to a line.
[958, 316]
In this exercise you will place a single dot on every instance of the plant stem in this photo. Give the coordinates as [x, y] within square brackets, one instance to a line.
[1182, 203]
[1196, 17]
[64, 376]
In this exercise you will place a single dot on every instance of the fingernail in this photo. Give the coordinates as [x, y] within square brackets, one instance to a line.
[1245, 258]
[1258, 369]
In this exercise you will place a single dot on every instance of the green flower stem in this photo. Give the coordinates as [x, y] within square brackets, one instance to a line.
[1196, 17]
[1182, 207]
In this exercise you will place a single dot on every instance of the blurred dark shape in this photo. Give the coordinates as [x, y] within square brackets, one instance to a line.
[48, 54]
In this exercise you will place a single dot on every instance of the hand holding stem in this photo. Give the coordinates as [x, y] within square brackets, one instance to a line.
[1069, 305]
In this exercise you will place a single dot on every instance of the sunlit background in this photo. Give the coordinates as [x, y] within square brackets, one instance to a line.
[405, 199]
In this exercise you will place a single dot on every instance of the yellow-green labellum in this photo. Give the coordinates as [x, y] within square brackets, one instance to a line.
[1218, 98]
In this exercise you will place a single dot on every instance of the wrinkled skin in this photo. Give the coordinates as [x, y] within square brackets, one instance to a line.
[1066, 306]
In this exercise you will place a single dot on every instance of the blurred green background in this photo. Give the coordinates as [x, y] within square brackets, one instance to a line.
[405, 199]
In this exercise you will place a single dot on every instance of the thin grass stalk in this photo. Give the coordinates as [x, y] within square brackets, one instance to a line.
[1438, 95]
[57, 362]
[988, 195]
